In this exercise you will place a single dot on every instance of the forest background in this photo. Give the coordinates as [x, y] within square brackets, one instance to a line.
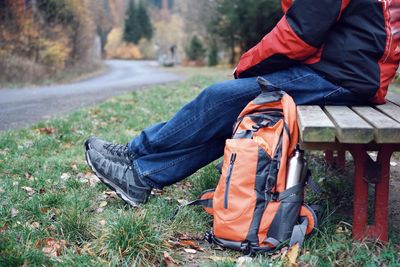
[43, 40]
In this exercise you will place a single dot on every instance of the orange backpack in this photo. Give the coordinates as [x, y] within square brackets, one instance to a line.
[251, 208]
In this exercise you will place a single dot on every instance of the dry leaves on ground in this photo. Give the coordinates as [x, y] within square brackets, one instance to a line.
[45, 130]
[168, 260]
[28, 190]
[293, 254]
[3, 228]
[190, 250]
[88, 178]
[52, 247]
[186, 243]
[103, 204]
[29, 176]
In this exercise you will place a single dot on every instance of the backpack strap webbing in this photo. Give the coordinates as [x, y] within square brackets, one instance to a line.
[206, 203]
[299, 233]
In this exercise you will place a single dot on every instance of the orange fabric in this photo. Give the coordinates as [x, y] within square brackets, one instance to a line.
[285, 5]
[305, 212]
[234, 222]
[266, 220]
[389, 62]
[281, 40]
[288, 146]
[208, 195]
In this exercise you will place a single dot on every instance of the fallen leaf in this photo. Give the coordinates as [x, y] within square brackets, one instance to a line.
[45, 130]
[29, 176]
[168, 260]
[74, 166]
[156, 192]
[15, 184]
[103, 204]
[44, 210]
[3, 228]
[35, 225]
[293, 253]
[65, 176]
[111, 194]
[88, 250]
[14, 212]
[190, 251]
[67, 145]
[191, 244]
[102, 222]
[173, 243]
[276, 256]
[99, 210]
[29, 190]
[51, 228]
[93, 180]
[53, 247]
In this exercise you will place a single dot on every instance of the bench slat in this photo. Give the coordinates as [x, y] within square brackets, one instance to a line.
[391, 110]
[350, 128]
[393, 97]
[314, 125]
[386, 130]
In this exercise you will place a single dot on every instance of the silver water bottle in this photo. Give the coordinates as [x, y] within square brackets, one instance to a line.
[297, 168]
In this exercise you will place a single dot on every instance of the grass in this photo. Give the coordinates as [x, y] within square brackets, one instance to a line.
[69, 75]
[48, 193]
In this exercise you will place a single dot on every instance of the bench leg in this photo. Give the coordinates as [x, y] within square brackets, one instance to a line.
[361, 229]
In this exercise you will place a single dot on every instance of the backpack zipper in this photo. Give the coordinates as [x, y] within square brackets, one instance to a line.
[228, 179]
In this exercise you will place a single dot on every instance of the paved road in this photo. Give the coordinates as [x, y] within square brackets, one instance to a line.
[22, 107]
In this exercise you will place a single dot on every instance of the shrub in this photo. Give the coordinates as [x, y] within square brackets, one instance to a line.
[12, 66]
[195, 50]
[53, 54]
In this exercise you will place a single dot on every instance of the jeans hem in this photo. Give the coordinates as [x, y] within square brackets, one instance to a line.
[145, 178]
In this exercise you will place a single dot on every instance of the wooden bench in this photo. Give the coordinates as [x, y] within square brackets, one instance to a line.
[358, 130]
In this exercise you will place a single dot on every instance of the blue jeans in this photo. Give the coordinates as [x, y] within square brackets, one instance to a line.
[195, 135]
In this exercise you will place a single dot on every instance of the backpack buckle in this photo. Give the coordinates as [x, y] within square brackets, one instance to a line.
[245, 248]
[208, 236]
[271, 196]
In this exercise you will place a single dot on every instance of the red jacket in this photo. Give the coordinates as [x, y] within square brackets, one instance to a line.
[352, 43]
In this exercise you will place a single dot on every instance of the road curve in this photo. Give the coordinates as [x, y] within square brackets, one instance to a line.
[24, 106]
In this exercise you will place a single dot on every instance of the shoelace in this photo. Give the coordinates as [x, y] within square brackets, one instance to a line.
[120, 150]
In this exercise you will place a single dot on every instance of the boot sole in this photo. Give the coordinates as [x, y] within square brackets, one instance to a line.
[111, 185]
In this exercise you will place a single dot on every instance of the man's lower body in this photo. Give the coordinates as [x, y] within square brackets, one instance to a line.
[168, 152]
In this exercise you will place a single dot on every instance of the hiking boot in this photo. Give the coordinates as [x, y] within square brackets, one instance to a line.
[114, 152]
[121, 178]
